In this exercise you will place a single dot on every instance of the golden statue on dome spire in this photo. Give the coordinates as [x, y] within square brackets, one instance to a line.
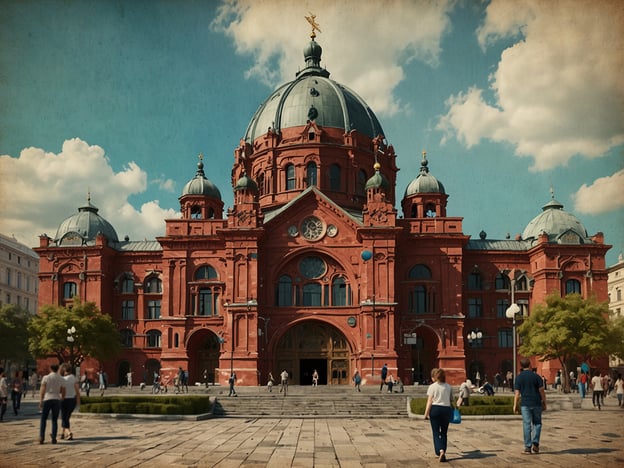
[315, 27]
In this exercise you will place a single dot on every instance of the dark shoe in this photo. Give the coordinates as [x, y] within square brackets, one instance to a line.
[70, 436]
[40, 441]
[54, 441]
[62, 436]
[527, 451]
[535, 448]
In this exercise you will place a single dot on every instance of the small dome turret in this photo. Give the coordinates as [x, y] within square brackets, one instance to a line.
[200, 185]
[378, 180]
[83, 227]
[424, 181]
[558, 224]
[246, 183]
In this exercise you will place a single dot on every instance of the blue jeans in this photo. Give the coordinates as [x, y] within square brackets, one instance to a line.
[68, 405]
[440, 417]
[55, 407]
[581, 387]
[531, 419]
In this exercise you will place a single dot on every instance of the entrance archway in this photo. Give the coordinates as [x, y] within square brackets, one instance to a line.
[424, 354]
[203, 351]
[152, 366]
[122, 373]
[311, 346]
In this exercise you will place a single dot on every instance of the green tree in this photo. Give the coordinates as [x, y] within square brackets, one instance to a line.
[616, 337]
[567, 327]
[14, 333]
[74, 334]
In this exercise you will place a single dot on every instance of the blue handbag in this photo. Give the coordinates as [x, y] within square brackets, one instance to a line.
[456, 419]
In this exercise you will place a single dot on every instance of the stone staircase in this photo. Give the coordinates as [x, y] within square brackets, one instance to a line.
[309, 402]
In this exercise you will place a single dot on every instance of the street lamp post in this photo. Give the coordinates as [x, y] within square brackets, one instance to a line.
[474, 338]
[71, 339]
[511, 313]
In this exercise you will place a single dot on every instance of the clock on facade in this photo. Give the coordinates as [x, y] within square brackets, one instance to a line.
[312, 228]
[312, 267]
[332, 230]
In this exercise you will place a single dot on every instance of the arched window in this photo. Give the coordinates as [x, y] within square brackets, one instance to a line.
[70, 289]
[290, 177]
[334, 177]
[522, 284]
[311, 294]
[430, 210]
[205, 272]
[420, 272]
[572, 286]
[260, 180]
[127, 338]
[474, 281]
[311, 174]
[153, 339]
[196, 212]
[153, 285]
[501, 282]
[339, 292]
[127, 285]
[284, 292]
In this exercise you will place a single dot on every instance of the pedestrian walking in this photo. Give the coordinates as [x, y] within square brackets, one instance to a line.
[16, 392]
[509, 379]
[439, 411]
[596, 386]
[357, 380]
[463, 398]
[71, 400]
[4, 394]
[32, 383]
[102, 382]
[129, 379]
[232, 381]
[384, 376]
[529, 393]
[205, 377]
[50, 395]
[284, 382]
[315, 378]
[619, 390]
[270, 382]
[85, 383]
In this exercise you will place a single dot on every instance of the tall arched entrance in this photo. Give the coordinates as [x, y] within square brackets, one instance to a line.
[424, 354]
[311, 346]
[203, 351]
[122, 373]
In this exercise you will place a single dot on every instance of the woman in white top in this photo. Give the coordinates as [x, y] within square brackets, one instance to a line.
[72, 399]
[596, 385]
[439, 411]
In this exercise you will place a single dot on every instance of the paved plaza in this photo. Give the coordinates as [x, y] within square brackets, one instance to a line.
[580, 437]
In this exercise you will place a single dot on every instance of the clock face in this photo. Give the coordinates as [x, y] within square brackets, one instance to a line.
[312, 267]
[312, 228]
[293, 231]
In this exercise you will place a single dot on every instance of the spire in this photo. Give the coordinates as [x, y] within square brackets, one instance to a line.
[424, 163]
[200, 166]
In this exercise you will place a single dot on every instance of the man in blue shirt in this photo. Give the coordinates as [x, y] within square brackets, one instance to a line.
[530, 387]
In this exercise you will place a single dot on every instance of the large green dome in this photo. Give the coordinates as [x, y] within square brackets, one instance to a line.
[561, 226]
[82, 227]
[313, 96]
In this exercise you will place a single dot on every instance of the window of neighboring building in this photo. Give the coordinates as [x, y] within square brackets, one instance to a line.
[127, 310]
[474, 281]
[127, 285]
[284, 292]
[153, 286]
[505, 338]
[501, 282]
[8, 276]
[153, 309]
[334, 177]
[474, 307]
[127, 338]
[70, 289]
[19, 279]
[290, 177]
[501, 308]
[311, 174]
[153, 339]
[572, 286]
[618, 294]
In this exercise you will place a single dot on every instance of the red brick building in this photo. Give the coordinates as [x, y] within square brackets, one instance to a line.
[313, 267]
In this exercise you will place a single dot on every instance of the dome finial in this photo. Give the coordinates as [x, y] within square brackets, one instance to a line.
[315, 27]
[552, 192]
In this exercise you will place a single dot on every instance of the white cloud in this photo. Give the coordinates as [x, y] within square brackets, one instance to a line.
[387, 34]
[604, 195]
[558, 90]
[167, 185]
[41, 189]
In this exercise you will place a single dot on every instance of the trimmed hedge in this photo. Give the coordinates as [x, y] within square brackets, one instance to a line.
[479, 406]
[145, 404]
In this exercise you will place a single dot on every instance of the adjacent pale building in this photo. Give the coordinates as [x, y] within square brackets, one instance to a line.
[19, 274]
[616, 303]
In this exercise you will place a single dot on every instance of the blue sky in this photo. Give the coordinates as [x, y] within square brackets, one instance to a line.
[117, 98]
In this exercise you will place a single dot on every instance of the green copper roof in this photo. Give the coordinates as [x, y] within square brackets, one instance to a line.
[82, 227]
[199, 185]
[555, 222]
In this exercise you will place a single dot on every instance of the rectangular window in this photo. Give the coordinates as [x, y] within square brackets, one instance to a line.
[474, 307]
[206, 304]
[312, 294]
[8, 276]
[501, 308]
[127, 310]
[618, 294]
[69, 290]
[19, 280]
[524, 307]
[505, 338]
[153, 309]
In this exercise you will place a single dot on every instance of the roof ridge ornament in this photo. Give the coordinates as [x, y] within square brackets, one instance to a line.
[315, 26]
